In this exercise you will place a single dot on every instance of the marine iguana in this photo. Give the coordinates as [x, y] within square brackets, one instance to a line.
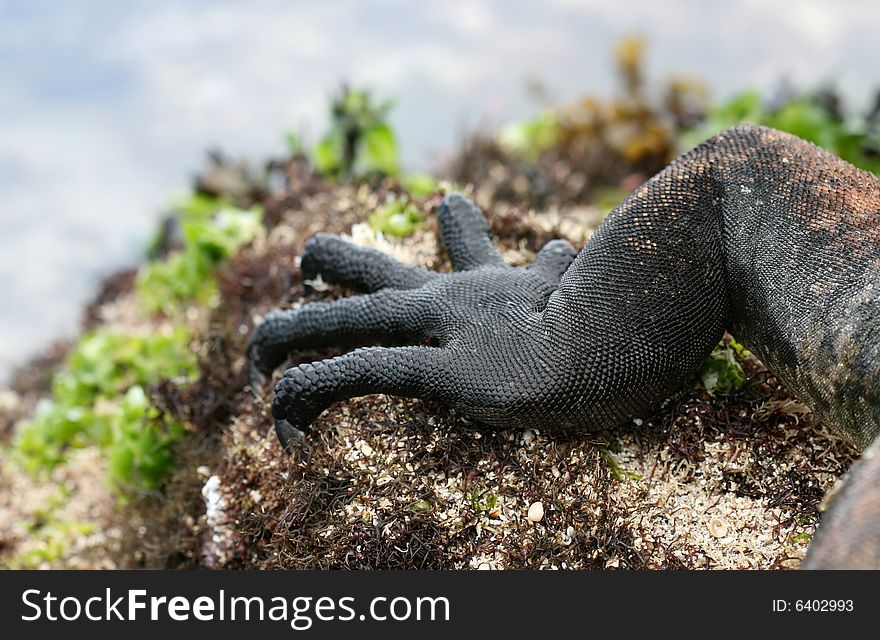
[754, 231]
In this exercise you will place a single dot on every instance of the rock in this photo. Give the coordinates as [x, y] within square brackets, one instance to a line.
[718, 527]
[536, 512]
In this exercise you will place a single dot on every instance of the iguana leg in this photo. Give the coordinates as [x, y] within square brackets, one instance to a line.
[849, 536]
[446, 308]
[505, 333]
[753, 231]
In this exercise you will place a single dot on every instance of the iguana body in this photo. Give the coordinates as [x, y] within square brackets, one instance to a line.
[754, 231]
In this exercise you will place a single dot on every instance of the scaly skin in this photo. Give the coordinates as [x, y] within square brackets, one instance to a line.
[755, 232]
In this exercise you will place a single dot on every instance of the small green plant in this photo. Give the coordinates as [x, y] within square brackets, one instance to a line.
[421, 505]
[722, 371]
[802, 538]
[187, 276]
[530, 138]
[197, 206]
[140, 453]
[398, 217]
[107, 363]
[48, 534]
[360, 141]
[85, 409]
[482, 502]
[42, 442]
[98, 397]
[49, 544]
[419, 184]
[619, 472]
[804, 116]
[294, 144]
[165, 286]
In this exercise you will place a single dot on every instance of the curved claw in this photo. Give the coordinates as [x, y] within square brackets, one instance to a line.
[255, 377]
[256, 374]
[288, 435]
[292, 406]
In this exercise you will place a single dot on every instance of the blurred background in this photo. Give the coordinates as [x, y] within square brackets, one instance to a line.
[107, 108]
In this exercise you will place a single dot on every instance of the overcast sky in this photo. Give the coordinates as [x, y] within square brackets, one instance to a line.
[106, 107]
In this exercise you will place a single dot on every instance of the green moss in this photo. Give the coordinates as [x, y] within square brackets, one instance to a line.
[420, 185]
[140, 453]
[49, 536]
[803, 538]
[804, 116]
[421, 505]
[398, 217]
[530, 138]
[722, 371]
[360, 141]
[482, 502]
[620, 474]
[85, 409]
[187, 277]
